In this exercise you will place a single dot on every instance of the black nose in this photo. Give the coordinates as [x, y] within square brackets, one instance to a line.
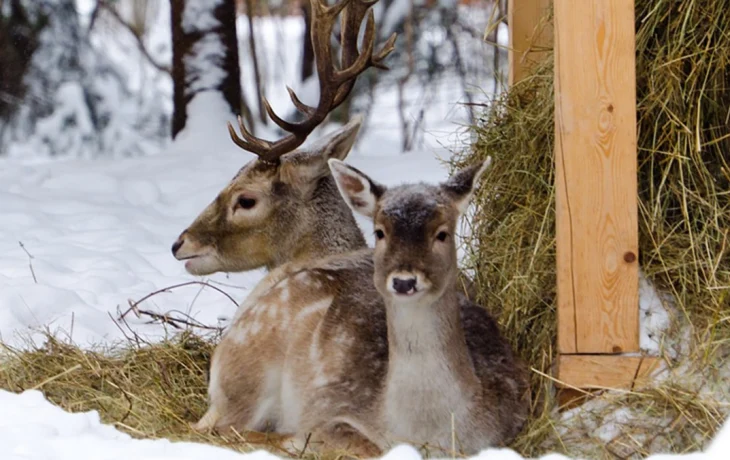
[176, 246]
[402, 286]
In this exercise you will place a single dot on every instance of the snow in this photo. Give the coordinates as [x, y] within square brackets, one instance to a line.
[31, 428]
[655, 317]
[198, 15]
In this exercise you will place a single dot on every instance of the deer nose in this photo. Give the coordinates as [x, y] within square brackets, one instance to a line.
[404, 286]
[177, 245]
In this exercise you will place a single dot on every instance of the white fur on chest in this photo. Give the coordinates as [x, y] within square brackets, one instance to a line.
[422, 399]
[423, 395]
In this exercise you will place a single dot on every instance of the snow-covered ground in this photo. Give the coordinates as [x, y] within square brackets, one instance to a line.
[31, 428]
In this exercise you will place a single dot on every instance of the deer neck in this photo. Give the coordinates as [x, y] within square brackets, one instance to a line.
[428, 330]
[429, 367]
[324, 226]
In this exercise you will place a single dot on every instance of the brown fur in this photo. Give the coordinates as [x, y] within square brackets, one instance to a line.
[299, 215]
[316, 349]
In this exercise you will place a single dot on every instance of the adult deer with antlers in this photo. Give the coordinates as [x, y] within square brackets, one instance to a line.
[284, 206]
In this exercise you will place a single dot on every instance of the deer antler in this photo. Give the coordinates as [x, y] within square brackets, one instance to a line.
[334, 85]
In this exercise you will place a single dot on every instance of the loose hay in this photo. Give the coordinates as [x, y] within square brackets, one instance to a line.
[146, 390]
[683, 94]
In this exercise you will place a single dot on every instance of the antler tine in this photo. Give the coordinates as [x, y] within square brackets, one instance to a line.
[349, 31]
[364, 58]
[249, 142]
[374, 60]
[283, 124]
[333, 11]
[301, 106]
[385, 51]
[334, 85]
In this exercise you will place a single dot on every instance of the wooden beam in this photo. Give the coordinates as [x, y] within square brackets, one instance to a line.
[596, 183]
[530, 35]
[605, 371]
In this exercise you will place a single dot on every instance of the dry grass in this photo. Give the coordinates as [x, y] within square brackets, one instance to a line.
[148, 391]
[151, 390]
[683, 73]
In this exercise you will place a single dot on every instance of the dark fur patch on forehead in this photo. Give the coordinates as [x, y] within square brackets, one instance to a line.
[411, 206]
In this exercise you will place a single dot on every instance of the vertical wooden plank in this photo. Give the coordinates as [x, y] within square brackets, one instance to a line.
[529, 36]
[596, 191]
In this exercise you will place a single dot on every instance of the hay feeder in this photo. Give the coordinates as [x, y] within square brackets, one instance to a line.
[595, 182]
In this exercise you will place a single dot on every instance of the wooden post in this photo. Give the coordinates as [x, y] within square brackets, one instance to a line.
[530, 35]
[596, 191]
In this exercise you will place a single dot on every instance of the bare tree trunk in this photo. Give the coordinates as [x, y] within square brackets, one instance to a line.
[408, 26]
[500, 16]
[191, 63]
[260, 90]
[307, 49]
[18, 42]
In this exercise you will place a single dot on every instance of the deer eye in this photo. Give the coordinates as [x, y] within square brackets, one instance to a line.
[379, 234]
[442, 236]
[246, 202]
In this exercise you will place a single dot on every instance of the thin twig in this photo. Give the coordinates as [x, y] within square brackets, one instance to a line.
[30, 261]
[306, 444]
[173, 321]
[134, 305]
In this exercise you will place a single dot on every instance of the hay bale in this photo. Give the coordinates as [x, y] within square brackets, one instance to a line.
[683, 94]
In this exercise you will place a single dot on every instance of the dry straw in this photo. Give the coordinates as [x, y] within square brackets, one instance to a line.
[683, 71]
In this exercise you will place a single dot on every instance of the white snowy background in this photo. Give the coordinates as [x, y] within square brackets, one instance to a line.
[83, 232]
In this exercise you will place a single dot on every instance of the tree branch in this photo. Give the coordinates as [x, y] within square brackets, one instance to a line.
[140, 43]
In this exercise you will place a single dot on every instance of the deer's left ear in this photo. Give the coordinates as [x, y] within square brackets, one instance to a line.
[303, 168]
[359, 191]
[460, 187]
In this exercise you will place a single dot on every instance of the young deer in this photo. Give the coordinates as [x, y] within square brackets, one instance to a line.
[323, 350]
[446, 356]
[284, 206]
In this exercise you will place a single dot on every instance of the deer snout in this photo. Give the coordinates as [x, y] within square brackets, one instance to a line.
[404, 286]
[407, 283]
[185, 248]
[177, 245]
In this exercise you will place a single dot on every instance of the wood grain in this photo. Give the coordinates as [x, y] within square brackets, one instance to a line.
[605, 371]
[596, 190]
[530, 37]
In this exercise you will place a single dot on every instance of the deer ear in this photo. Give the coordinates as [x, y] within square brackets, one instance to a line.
[303, 168]
[339, 143]
[359, 191]
[460, 187]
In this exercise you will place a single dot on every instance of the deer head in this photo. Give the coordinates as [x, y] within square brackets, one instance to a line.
[415, 251]
[284, 206]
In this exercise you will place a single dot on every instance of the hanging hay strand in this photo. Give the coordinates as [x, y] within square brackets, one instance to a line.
[683, 108]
